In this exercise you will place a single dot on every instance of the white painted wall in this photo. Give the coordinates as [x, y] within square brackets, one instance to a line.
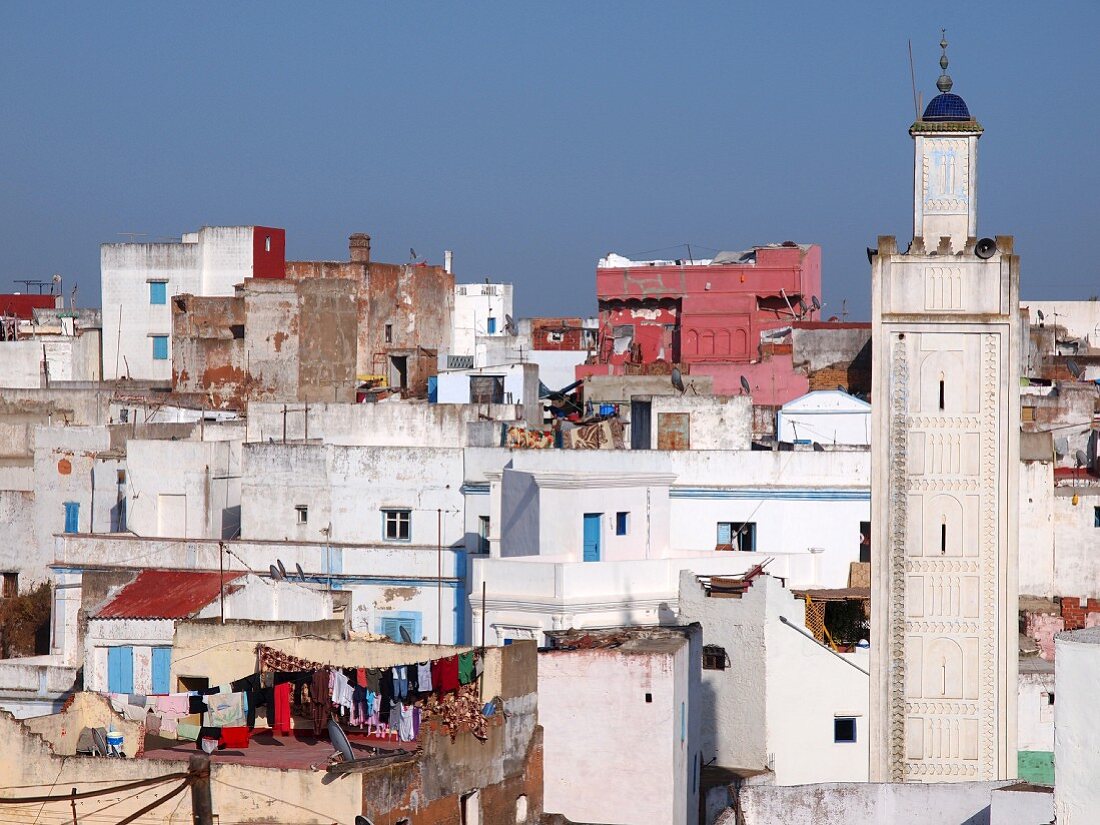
[199, 480]
[716, 422]
[208, 262]
[1035, 712]
[1081, 319]
[1037, 529]
[825, 417]
[1076, 563]
[760, 712]
[474, 305]
[21, 364]
[1076, 726]
[520, 384]
[600, 735]
[910, 803]
[141, 634]
[347, 488]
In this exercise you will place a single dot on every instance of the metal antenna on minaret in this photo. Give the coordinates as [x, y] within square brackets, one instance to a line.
[913, 81]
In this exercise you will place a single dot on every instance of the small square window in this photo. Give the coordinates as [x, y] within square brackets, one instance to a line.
[1096, 516]
[302, 512]
[267, 243]
[844, 729]
[158, 292]
[714, 657]
[621, 523]
[737, 535]
[649, 697]
[389, 333]
[397, 525]
[1050, 698]
[160, 347]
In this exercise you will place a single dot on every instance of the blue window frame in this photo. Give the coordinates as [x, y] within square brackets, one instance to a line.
[390, 624]
[158, 292]
[72, 516]
[160, 347]
[162, 666]
[621, 523]
[120, 669]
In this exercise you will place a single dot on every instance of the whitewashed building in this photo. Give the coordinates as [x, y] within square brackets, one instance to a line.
[620, 711]
[138, 281]
[776, 698]
[482, 311]
[598, 538]
[128, 644]
[825, 417]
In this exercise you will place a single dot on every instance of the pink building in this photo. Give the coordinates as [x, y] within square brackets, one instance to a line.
[707, 316]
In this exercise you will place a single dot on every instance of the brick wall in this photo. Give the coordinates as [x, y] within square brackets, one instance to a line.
[1076, 613]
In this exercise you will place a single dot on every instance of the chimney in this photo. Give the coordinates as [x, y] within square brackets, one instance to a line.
[448, 261]
[359, 248]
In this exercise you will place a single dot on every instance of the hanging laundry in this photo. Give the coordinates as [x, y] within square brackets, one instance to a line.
[226, 710]
[281, 700]
[405, 723]
[400, 682]
[466, 667]
[320, 700]
[424, 676]
[341, 690]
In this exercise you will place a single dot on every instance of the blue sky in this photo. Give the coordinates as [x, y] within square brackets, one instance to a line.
[533, 138]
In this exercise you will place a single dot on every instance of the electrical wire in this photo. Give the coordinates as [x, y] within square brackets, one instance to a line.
[157, 802]
[140, 783]
[325, 817]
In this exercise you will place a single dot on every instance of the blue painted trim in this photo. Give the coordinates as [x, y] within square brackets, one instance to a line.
[478, 489]
[755, 494]
[460, 598]
[414, 616]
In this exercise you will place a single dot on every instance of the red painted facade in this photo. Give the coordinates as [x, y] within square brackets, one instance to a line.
[23, 306]
[268, 252]
[707, 318]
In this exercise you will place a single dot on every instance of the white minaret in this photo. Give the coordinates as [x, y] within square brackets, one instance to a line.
[945, 449]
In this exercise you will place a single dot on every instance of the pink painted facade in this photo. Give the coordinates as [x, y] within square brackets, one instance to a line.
[707, 317]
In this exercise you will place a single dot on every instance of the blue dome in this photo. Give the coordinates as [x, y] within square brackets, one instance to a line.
[946, 106]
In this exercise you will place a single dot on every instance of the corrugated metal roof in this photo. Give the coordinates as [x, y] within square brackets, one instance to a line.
[166, 594]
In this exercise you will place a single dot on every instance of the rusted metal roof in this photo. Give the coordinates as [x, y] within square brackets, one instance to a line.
[167, 594]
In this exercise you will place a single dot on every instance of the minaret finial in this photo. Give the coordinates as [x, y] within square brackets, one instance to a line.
[944, 83]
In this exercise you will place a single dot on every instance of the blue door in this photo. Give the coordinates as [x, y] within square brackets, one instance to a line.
[492, 325]
[162, 666]
[120, 669]
[592, 536]
[72, 516]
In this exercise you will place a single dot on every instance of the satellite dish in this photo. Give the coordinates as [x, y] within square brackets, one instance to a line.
[1082, 459]
[406, 637]
[274, 572]
[1074, 368]
[1042, 317]
[871, 253]
[745, 388]
[1061, 445]
[677, 379]
[412, 253]
[362, 820]
[985, 248]
[301, 572]
[282, 570]
[818, 448]
[802, 306]
[339, 740]
[815, 302]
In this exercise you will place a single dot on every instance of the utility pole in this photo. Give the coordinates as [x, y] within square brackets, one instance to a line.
[202, 805]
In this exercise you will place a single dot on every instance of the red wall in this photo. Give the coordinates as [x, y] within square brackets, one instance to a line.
[711, 317]
[268, 264]
[22, 305]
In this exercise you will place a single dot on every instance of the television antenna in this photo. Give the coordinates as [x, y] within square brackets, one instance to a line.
[133, 235]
